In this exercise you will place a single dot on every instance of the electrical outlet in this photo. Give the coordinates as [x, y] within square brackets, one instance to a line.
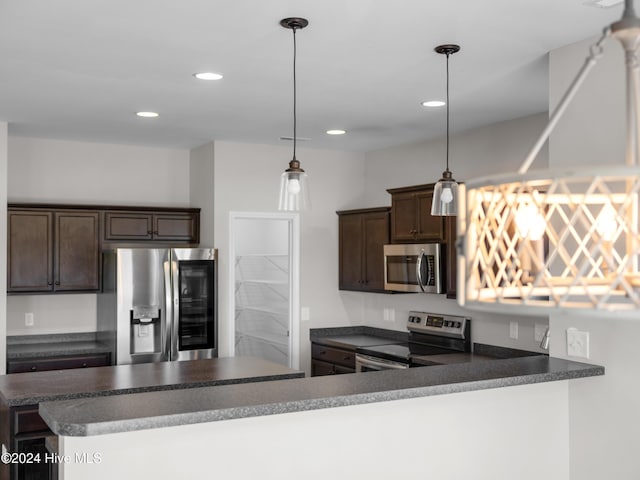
[28, 319]
[577, 343]
[539, 331]
[389, 315]
[513, 330]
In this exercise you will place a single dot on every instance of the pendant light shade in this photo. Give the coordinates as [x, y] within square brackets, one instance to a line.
[294, 187]
[536, 242]
[445, 194]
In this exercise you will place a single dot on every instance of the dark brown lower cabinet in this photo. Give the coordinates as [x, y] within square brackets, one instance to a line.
[327, 360]
[22, 429]
[24, 434]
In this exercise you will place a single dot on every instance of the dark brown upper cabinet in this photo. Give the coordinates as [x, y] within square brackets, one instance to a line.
[52, 251]
[152, 226]
[362, 236]
[411, 219]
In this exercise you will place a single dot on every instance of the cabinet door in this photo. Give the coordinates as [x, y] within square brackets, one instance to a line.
[376, 235]
[30, 249]
[350, 252]
[128, 226]
[430, 228]
[403, 217]
[77, 252]
[176, 227]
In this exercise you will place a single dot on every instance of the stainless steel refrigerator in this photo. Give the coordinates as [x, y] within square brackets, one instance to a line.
[159, 304]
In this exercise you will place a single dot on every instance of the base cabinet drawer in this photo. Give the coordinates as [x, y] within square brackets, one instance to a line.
[27, 420]
[319, 368]
[58, 363]
[334, 355]
[331, 361]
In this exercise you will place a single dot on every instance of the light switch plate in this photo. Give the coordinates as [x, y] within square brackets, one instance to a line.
[305, 314]
[577, 343]
[513, 330]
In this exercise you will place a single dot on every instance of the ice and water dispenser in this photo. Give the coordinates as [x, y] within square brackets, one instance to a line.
[145, 330]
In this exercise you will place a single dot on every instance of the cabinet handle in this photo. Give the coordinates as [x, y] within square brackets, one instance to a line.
[149, 232]
[57, 282]
[84, 365]
[348, 357]
[155, 232]
[34, 368]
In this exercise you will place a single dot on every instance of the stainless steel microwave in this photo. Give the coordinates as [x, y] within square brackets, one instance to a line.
[413, 268]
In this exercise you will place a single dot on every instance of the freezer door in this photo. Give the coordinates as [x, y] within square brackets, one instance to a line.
[194, 283]
[142, 334]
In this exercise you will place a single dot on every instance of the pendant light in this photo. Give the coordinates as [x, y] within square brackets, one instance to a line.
[294, 188]
[445, 194]
[535, 242]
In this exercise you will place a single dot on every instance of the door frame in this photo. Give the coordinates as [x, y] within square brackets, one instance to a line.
[293, 220]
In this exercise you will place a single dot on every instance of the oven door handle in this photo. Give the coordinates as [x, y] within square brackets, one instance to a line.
[419, 269]
[368, 361]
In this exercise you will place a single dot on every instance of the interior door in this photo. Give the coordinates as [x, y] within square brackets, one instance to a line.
[264, 274]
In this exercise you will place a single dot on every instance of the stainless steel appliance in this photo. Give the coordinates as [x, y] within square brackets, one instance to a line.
[430, 335]
[159, 304]
[413, 268]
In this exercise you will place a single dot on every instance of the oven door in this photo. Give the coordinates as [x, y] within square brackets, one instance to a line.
[367, 363]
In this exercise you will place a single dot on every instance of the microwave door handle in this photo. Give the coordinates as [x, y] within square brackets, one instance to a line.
[419, 270]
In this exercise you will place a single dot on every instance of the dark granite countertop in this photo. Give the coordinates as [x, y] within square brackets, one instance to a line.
[351, 338]
[35, 387]
[449, 358]
[41, 346]
[102, 415]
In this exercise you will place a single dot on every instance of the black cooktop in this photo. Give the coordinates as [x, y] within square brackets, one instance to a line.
[402, 353]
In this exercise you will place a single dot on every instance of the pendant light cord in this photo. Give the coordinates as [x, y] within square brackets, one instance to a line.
[448, 111]
[295, 134]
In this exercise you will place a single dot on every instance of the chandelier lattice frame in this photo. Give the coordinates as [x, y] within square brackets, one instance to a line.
[559, 240]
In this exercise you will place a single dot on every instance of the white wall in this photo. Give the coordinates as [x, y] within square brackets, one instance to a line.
[248, 179]
[55, 171]
[509, 433]
[201, 189]
[604, 414]
[496, 148]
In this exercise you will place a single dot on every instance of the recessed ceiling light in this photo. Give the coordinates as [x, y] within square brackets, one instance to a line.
[433, 103]
[207, 76]
[336, 132]
[603, 3]
[147, 114]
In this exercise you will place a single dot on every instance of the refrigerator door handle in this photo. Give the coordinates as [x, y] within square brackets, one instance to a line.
[168, 315]
[175, 310]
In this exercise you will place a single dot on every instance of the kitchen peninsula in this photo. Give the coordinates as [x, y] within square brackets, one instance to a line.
[20, 394]
[276, 429]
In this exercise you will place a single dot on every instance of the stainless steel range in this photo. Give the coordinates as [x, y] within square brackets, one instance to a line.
[429, 334]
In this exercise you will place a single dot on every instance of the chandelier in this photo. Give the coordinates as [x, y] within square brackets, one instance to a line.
[554, 240]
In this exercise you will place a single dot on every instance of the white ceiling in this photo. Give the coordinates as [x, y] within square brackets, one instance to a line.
[79, 69]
